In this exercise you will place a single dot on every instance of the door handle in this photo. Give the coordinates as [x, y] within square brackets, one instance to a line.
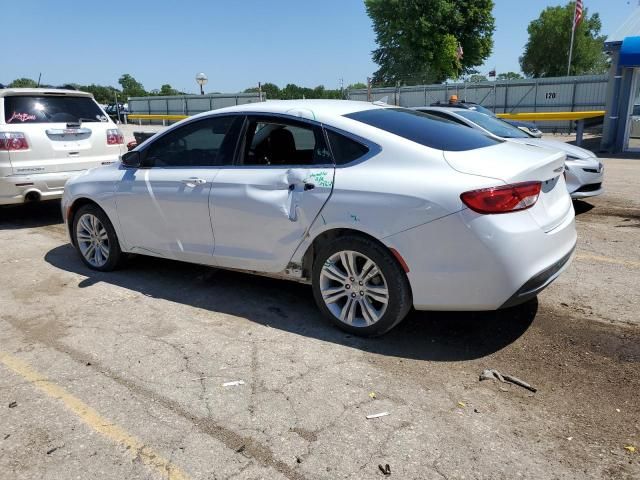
[194, 181]
[309, 186]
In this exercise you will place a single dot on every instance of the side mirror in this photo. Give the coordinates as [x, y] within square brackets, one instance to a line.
[132, 159]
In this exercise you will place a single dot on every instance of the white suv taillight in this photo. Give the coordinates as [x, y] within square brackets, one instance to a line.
[10, 141]
[114, 137]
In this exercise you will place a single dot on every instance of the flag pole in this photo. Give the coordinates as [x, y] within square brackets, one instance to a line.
[573, 31]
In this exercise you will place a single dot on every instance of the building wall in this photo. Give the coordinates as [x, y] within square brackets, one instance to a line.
[555, 94]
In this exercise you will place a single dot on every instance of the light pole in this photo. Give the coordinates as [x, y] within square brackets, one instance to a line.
[202, 79]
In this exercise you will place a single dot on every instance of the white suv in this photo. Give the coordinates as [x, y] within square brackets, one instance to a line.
[48, 136]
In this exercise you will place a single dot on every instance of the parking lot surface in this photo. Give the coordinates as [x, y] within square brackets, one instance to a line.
[122, 375]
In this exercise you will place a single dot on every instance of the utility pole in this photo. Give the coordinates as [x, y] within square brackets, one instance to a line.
[260, 90]
[341, 80]
[368, 89]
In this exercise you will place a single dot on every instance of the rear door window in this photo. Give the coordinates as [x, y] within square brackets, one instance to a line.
[280, 142]
[51, 109]
[424, 129]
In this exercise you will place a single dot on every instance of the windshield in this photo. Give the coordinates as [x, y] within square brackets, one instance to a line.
[51, 109]
[481, 109]
[494, 125]
[424, 129]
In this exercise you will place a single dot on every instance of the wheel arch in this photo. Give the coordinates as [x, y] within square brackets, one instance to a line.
[326, 236]
[73, 209]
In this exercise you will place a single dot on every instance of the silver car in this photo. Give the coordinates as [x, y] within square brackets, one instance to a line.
[584, 171]
[380, 209]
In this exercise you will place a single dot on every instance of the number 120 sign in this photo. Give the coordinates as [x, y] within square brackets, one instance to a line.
[550, 95]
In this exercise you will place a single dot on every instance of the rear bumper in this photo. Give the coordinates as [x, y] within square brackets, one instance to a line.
[467, 261]
[539, 281]
[45, 186]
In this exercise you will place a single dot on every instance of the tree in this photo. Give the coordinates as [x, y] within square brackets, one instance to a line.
[103, 94]
[546, 54]
[131, 87]
[418, 40]
[23, 83]
[356, 86]
[509, 76]
[167, 89]
[478, 78]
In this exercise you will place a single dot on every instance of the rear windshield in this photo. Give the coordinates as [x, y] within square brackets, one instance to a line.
[492, 124]
[51, 109]
[424, 129]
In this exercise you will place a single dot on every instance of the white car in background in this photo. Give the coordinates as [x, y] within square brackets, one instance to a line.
[584, 171]
[380, 209]
[48, 136]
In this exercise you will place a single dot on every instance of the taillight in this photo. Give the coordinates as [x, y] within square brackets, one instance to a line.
[114, 137]
[10, 141]
[509, 198]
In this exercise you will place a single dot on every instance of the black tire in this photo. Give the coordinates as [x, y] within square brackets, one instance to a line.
[394, 277]
[115, 256]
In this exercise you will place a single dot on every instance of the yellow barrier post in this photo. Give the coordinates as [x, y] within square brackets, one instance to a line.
[579, 117]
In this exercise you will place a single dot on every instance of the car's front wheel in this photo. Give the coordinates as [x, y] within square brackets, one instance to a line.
[360, 286]
[95, 239]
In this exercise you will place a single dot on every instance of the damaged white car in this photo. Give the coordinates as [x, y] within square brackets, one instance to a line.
[380, 209]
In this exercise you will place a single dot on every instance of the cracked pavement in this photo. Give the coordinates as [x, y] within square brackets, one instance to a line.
[150, 346]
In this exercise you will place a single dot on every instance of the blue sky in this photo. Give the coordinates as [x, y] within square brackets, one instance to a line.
[236, 43]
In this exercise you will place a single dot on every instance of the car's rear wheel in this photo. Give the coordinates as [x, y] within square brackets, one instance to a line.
[360, 286]
[95, 239]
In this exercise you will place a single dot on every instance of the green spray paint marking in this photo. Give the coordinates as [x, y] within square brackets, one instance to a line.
[321, 180]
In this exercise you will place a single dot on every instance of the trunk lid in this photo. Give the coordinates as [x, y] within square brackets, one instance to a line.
[513, 163]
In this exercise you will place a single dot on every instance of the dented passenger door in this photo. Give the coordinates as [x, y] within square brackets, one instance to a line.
[263, 205]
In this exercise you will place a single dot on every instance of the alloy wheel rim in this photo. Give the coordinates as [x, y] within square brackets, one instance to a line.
[354, 289]
[93, 240]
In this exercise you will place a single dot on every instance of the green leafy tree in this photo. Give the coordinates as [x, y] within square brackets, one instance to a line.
[271, 90]
[418, 39]
[131, 87]
[23, 83]
[167, 89]
[102, 93]
[509, 76]
[478, 78]
[356, 86]
[546, 54]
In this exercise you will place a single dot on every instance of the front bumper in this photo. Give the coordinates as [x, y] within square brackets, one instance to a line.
[46, 186]
[585, 177]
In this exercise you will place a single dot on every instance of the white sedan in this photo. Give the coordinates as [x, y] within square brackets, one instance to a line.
[584, 171]
[380, 209]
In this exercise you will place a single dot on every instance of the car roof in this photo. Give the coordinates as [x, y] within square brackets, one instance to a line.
[318, 110]
[437, 109]
[8, 92]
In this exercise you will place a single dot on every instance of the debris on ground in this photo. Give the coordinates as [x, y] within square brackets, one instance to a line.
[377, 415]
[13, 404]
[492, 374]
[372, 395]
[462, 404]
[49, 452]
[630, 448]
[241, 448]
[386, 470]
[234, 383]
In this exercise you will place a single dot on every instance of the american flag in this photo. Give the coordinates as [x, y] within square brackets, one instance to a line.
[577, 16]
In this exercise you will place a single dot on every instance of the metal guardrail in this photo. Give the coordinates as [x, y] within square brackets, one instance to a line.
[552, 115]
[579, 118]
[147, 116]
